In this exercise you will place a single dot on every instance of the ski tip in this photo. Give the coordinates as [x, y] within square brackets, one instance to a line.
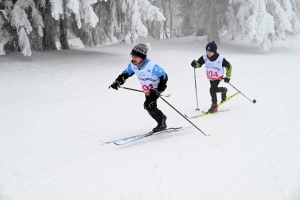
[208, 134]
[104, 143]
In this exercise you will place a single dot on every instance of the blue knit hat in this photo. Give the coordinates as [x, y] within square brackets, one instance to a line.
[212, 47]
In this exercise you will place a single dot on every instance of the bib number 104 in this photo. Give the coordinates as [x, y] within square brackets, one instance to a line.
[211, 74]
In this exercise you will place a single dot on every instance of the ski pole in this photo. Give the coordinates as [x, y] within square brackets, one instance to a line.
[169, 95]
[253, 101]
[196, 88]
[184, 117]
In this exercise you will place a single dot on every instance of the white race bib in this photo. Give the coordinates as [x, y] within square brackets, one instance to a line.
[147, 79]
[214, 69]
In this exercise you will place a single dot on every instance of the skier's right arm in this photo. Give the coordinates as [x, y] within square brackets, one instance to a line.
[122, 78]
[199, 63]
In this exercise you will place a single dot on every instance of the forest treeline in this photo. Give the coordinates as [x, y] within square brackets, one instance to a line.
[37, 25]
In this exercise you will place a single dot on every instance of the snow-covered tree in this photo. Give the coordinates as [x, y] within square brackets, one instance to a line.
[36, 24]
[123, 20]
[109, 28]
[292, 9]
[154, 27]
[171, 26]
[82, 11]
[50, 26]
[260, 24]
[3, 20]
[193, 14]
[265, 21]
[216, 19]
[208, 16]
[141, 10]
[20, 21]
[281, 19]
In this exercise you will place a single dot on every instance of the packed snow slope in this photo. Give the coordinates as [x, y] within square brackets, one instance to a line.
[55, 106]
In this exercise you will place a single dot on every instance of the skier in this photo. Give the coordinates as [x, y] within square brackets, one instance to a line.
[152, 78]
[214, 64]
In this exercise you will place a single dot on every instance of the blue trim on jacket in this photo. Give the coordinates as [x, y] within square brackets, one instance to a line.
[157, 70]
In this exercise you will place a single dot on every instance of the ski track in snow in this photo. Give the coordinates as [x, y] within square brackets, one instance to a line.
[56, 105]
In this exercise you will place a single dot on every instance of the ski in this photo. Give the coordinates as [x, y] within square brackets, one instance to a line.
[126, 138]
[220, 104]
[138, 137]
[205, 114]
[168, 130]
[228, 98]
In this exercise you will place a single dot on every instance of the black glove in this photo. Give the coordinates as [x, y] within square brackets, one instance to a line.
[115, 85]
[194, 63]
[226, 80]
[154, 91]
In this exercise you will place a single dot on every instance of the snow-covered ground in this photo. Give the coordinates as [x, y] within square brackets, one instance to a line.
[56, 105]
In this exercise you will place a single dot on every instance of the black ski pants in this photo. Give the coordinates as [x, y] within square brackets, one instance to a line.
[213, 90]
[150, 105]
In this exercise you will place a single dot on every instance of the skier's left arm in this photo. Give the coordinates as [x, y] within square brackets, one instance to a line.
[128, 72]
[163, 77]
[228, 67]
[199, 63]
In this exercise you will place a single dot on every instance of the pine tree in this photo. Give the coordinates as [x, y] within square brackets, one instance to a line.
[233, 27]
[19, 19]
[292, 9]
[216, 16]
[142, 10]
[265, 21]
[204, 15]
[281, 21]
[126, 21]
[81, 10]
[187, 27]
[50, 25]
[153, 26]
[103, 33]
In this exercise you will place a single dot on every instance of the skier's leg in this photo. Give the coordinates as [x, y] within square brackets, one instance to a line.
[213, 90]
[213, 93]
[150, 105]
[223, 91]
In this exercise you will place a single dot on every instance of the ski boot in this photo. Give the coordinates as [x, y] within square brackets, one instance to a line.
[161, 124]
[213, 108]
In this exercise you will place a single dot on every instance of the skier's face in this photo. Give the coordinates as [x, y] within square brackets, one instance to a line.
[209, 53]
[136, 60]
